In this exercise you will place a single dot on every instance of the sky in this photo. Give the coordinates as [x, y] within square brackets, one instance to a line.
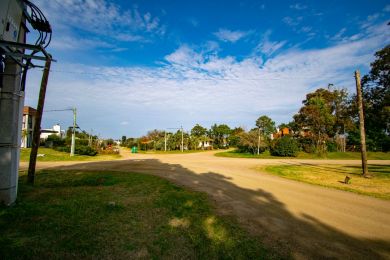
[133, 66]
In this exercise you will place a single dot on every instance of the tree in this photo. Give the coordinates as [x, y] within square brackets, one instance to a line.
[123, 140]
[325, 114]
[220, 134]
[198, 131]
[266, 125]
[376, 98]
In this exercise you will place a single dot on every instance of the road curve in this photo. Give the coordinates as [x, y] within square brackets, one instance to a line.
[295, 218]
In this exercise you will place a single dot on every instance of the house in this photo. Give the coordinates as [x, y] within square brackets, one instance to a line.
[206, 144]
[28, 122]
[280, 133]
[56, 130]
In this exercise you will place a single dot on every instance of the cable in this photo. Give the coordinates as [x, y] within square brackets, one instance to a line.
[39, 22]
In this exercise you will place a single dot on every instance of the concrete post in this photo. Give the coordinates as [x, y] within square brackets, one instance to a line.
[11, 114]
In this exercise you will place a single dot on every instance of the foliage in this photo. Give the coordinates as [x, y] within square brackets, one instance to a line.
[376, 98]
[266, 125]
[79, 149]
[324, 115]
[55, 140]
[285, 146]
[220, 134]
[249, 142]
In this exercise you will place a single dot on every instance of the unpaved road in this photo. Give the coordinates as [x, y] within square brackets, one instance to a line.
[308, 221]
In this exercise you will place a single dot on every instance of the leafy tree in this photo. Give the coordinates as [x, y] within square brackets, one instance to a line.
[123, 140]
[220, 134]
[376, 98]
[198, 131]
[249, 141]
[266, 125]
[325, 113]
[285, 146]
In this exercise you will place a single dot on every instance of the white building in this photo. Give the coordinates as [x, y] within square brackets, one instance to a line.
[56, 130]
[28, 123]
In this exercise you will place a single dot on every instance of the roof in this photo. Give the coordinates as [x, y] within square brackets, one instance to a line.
[29, 111]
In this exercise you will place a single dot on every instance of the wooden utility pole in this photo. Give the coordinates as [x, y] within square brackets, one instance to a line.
[37, 126]
[361, 124]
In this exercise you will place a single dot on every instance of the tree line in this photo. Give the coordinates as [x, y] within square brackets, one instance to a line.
[326, 121]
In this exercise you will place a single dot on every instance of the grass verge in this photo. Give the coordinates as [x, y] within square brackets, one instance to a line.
[303, 155]
[105, 215]
[53, 155]
[333, 176]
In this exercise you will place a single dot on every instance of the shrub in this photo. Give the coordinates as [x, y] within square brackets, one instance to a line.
[331, 146]
[56, 140]
[81, 150]
[85, 150]
[285, 146]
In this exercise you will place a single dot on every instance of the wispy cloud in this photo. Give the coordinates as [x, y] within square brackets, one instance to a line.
[268, 47]
[101, 18]
[298, 6]
[230, 36]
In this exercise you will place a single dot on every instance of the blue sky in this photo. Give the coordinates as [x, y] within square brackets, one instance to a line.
[134, 66]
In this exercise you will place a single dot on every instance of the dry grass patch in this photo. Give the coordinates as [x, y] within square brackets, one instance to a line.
[333, 176]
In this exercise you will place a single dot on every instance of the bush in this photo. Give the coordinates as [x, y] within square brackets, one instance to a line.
[285, 146]
[85, 150]
[331, 146]
[81, 150]
[55, 140]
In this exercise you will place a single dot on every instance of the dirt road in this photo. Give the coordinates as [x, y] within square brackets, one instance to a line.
[308, 221]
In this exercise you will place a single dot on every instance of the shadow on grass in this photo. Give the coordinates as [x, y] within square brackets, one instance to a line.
[258, 210]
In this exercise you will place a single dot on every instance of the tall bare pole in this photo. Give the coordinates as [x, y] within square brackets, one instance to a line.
[182, 139]
[73, 144]
[258, 142]
[165, 141]
[38, 120]
[361, 124]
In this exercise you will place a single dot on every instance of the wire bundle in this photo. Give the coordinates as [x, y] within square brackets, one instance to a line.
[39, 22]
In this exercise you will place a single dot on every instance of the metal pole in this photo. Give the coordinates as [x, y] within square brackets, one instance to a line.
[258, 142]
[73, 144]
[37, 125]
[165, 141]
[182, 139]
[361, 124]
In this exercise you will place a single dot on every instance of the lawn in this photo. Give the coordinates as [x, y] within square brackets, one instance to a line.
[170, 152]
[303, 155]
[333, 176]
[53, 155]
[107, 215]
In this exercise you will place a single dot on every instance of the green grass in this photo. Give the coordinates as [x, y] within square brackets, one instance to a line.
[333, 176]
[107, 215]
[303, 155]
[170, 152]
[53, 155]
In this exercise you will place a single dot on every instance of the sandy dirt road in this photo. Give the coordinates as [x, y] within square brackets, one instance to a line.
[307, 221]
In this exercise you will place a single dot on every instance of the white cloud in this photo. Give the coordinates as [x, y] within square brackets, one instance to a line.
[196, 85]
[291, 21]
[101, 18]
[230, 36]
[298, 6]
[268, 47]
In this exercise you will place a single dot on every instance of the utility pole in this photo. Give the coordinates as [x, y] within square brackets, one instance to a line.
[182, 139]
[258, 143]
[73, 144]
[37, 125]
[361, 124]
[165, 141]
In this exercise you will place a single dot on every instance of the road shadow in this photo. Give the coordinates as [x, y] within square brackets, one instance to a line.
[303, 237]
